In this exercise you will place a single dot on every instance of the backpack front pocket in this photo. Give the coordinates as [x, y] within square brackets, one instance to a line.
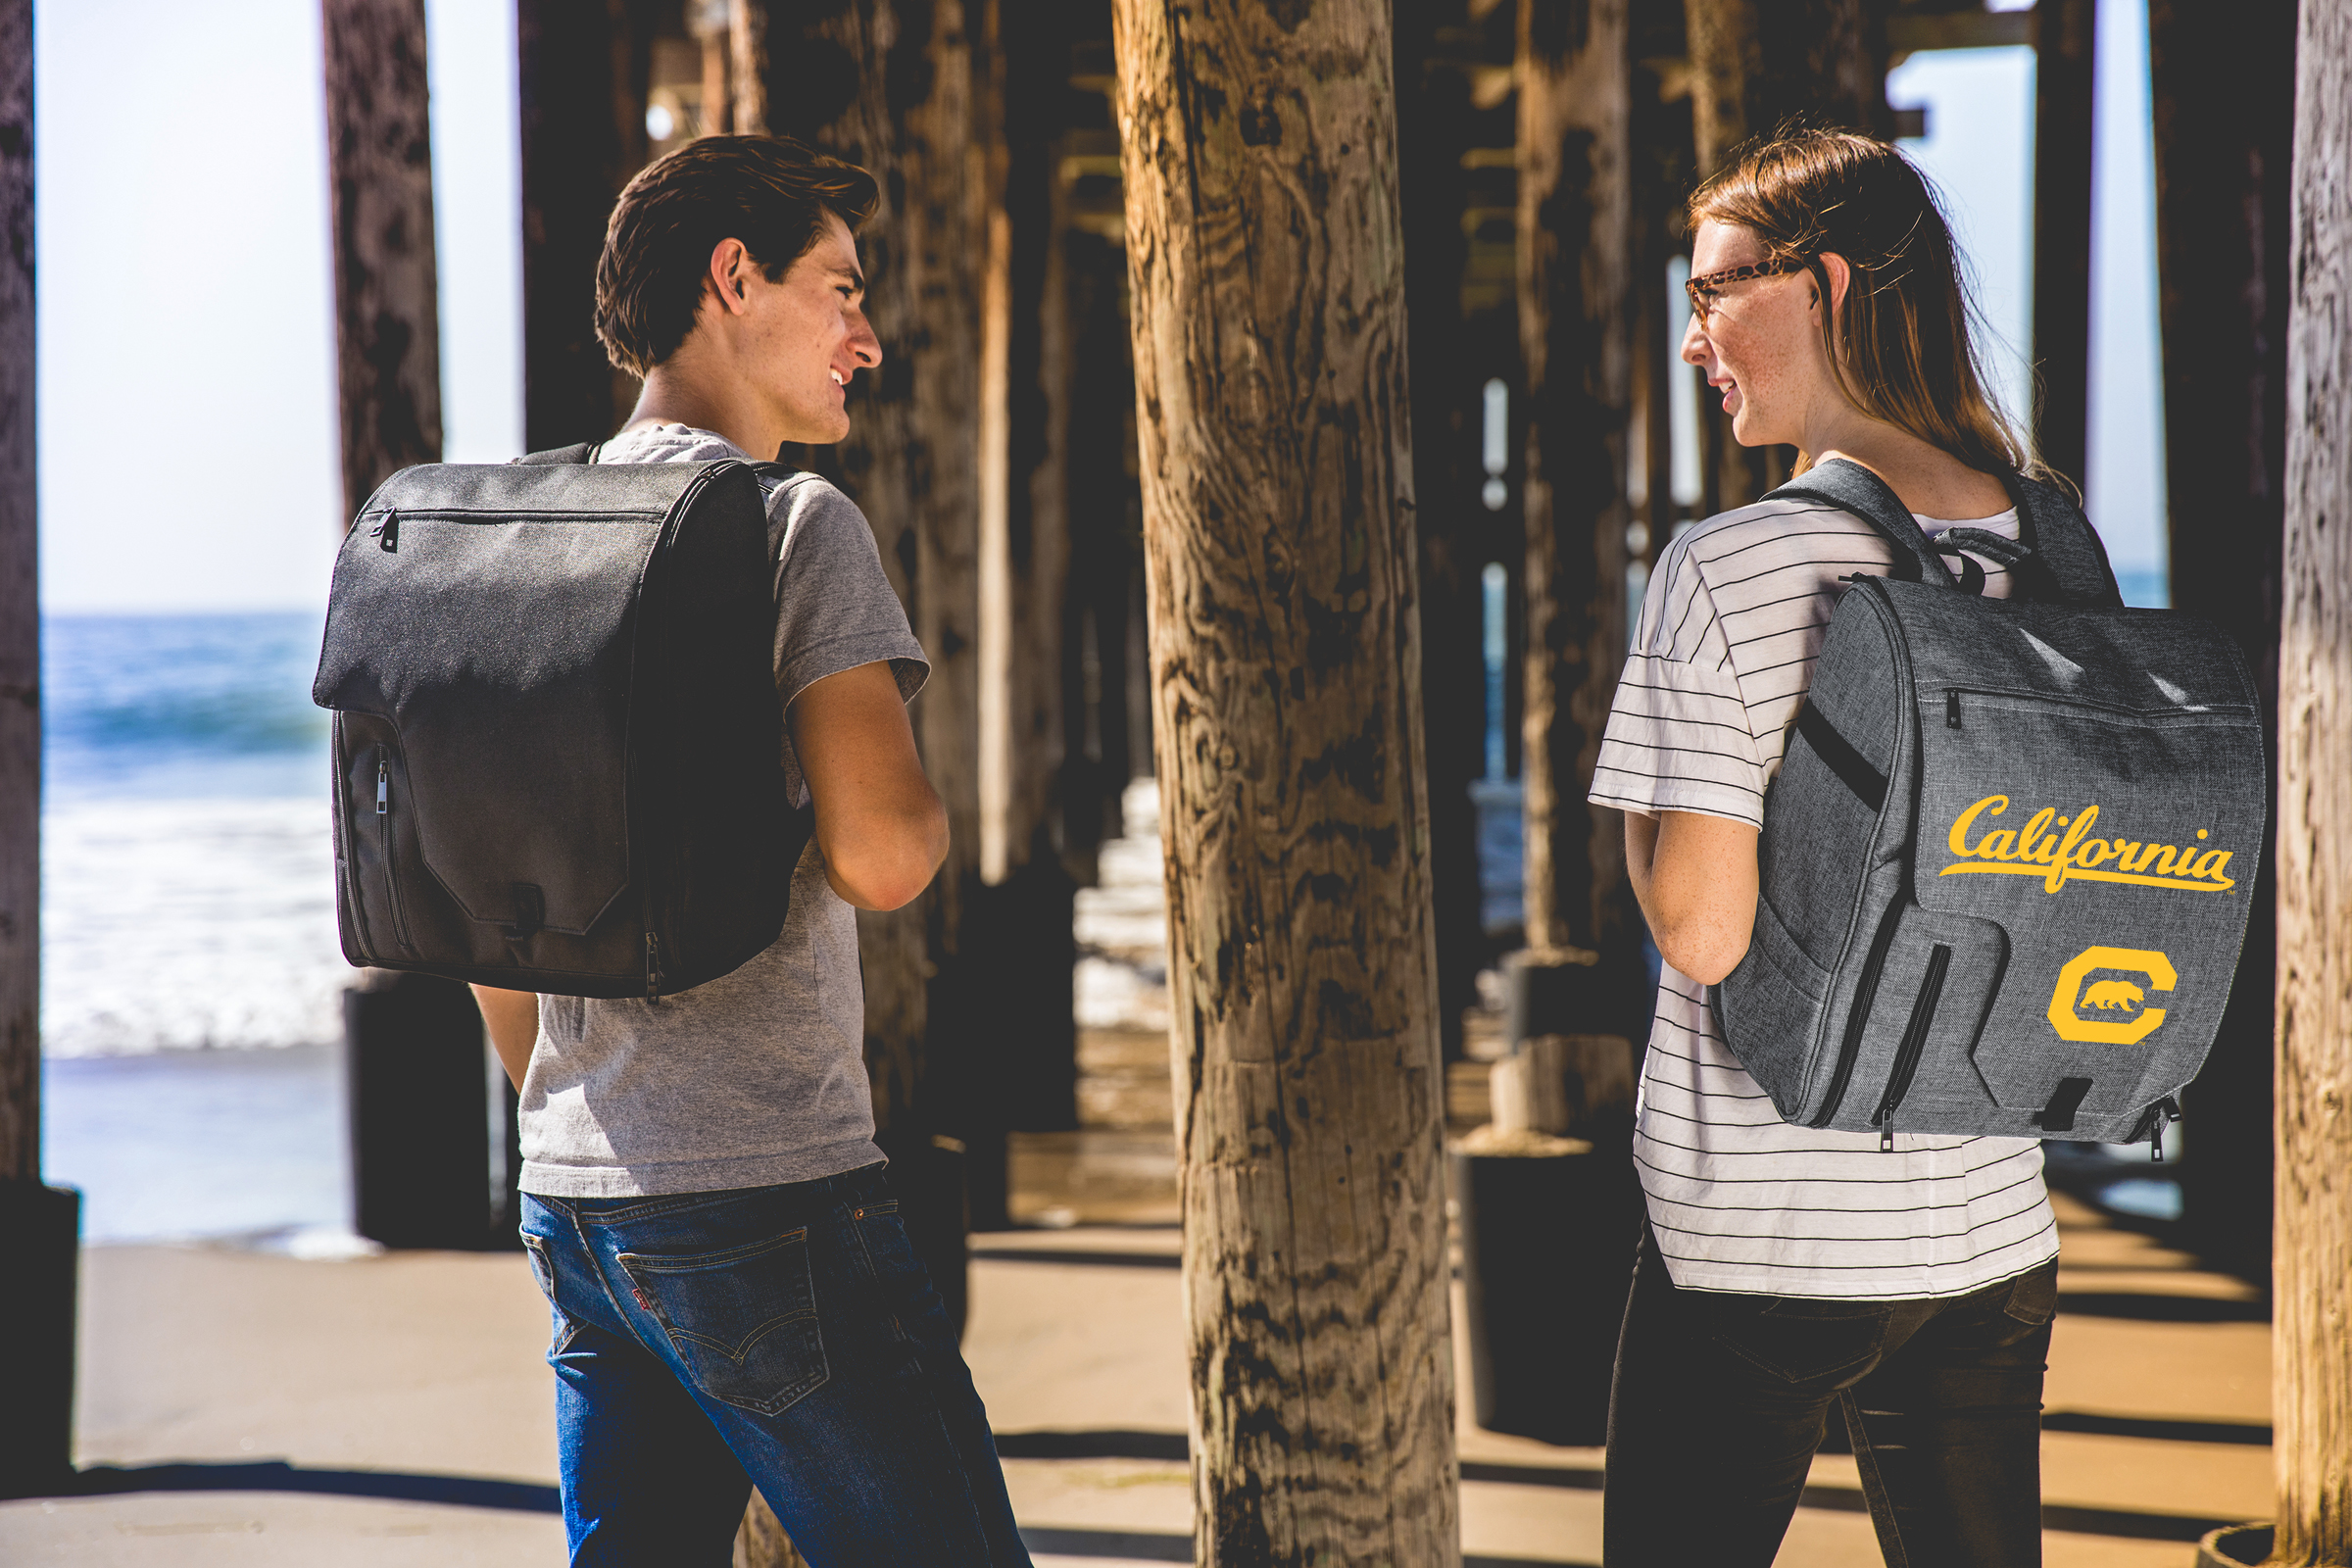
[380, 838]
[1913, 1026]
[2117, 847]
[1771, 1005]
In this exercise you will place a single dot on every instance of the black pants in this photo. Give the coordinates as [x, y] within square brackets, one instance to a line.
[1720, 1401]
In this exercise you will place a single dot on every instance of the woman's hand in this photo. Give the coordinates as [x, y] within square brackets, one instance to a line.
[1696, 879]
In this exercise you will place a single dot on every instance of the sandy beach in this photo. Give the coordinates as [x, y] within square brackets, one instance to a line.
[394, 1411]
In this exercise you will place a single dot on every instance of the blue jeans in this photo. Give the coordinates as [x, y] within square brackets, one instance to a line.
[779, 1335]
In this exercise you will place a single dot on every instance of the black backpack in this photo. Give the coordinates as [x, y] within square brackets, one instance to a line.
[557, 749]
[2006, 873]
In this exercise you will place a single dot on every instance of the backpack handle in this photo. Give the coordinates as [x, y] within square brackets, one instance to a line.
[1984, 542]
[581, 452]
[1850, 487]
[2058, 558]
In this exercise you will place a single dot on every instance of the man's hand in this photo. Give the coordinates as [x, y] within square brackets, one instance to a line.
[513, 1018]
[879, 825]
[1696, 878]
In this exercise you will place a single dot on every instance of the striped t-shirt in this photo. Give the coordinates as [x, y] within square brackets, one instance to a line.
[1738, 1199]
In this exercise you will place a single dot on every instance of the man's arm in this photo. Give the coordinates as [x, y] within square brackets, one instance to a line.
[512, 1019]
[1696, 878]
[879, 825]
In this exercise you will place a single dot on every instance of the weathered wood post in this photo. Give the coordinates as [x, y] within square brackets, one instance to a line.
[891, 89]
[380, 178]
[1575, 252]
[1024, 948]
[1755, 67]
[42, 1224]
[581, 98]
[418, 1112]
[2312, 1367]
[2064, 37]
[1433, 132]
[20, 622]
[1581, 974]
[2223, 92]
[1266, 270]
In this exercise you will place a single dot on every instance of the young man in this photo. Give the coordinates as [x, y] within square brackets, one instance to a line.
[735, 1300]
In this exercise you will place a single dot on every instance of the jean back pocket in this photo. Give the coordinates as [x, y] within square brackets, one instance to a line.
[543, 1270]
[742, 1320]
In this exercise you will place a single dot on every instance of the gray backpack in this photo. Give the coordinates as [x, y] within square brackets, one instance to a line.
[2006, 874]
[556, 739]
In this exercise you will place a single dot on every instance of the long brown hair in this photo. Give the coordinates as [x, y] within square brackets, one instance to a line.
[1900, 347]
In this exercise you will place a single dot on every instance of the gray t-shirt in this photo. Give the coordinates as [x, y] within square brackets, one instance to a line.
[759, 1076]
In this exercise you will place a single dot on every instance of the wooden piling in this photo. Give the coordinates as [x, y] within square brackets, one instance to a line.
[911, 457]
[380, 150]
[20, 622]
[1434, 131]
[42, 1224]
[2312, 1368]
[581, 85]
[1021, 925]
[1757, 68]
[2222, 95]
[2065, 33]
[1575, 254]
[1265, 253]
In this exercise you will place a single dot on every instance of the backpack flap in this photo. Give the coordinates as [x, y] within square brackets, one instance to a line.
[497, 675]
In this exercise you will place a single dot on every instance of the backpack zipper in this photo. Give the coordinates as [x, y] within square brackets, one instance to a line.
[1914, 1045]
[2167, 1111]
[384, 835]
[1866, 991]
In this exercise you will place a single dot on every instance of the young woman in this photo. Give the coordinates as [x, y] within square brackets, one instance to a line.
[1787, 1270]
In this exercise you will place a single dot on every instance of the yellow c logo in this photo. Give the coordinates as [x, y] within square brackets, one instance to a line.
[2072, 997]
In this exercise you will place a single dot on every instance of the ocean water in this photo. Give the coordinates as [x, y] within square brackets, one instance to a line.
[190, 975]
[188, 873]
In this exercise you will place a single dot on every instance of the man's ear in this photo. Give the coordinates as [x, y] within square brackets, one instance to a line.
[730, 269]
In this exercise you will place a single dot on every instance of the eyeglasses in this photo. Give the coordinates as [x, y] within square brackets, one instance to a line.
[1703, 289]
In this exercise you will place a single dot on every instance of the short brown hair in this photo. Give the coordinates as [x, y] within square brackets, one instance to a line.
[1901, 348]
[771, 192]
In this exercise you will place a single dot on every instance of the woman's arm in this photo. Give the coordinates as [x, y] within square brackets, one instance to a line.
[1695, 877]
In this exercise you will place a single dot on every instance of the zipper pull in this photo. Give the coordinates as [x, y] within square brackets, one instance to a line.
[387, 533]
[1951, 709]
[2167, 1112]
[653, 967]
[383, 788]
[1886, 1136]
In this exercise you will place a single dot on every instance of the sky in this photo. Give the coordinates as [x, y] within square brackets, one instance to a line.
[186, 383]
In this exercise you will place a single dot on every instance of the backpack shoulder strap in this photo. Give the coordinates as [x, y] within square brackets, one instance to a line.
[580, 452]
[1851, 487]
[2070, 560]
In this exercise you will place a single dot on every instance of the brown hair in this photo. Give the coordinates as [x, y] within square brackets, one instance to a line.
[1900, 347]
[771, 192]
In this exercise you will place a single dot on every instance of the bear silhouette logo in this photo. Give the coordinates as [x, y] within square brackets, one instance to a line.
[2092, 1003]
[2109, 995]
